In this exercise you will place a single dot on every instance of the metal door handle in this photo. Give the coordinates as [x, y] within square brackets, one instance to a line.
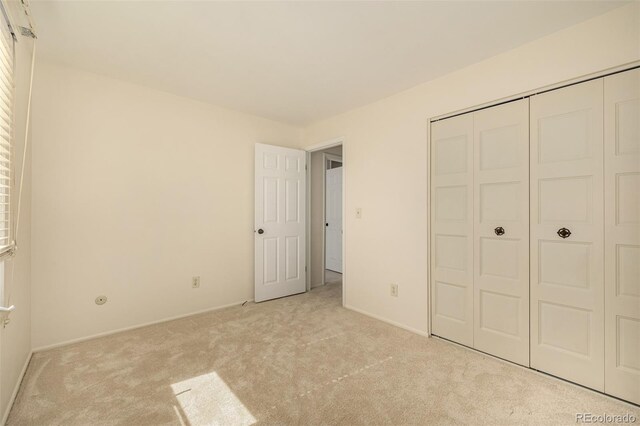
[6, 312]
[564, 233]
[499, 230]
[260, 231]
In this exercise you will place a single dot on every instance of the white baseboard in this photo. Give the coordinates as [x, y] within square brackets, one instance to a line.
[388, 321]
[133, 327]
[16, 388]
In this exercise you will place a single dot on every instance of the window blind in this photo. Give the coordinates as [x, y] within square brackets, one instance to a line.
[6, 136]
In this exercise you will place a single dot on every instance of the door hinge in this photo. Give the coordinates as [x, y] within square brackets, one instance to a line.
[305, 268]
[305, 167]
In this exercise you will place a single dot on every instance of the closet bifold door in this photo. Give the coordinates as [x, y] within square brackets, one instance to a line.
[501, 231]
[622, 234]
[452, 229]
[567, 226]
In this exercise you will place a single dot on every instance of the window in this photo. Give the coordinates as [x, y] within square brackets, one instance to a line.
[6, 137]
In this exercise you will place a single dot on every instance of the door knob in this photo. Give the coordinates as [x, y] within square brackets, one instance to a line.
[326, 224]
[499, 230]
[260, 231]
[564, 233]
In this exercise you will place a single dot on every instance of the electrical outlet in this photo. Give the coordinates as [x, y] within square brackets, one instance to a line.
[394, 290]
[101, 300]
[358, 213]
[195, 282]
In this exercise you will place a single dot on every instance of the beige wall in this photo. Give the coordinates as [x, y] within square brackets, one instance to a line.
[317, 207]
[385, 144]
[134, 192]
[15, 339]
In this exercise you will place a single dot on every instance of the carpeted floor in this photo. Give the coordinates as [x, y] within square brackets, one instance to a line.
[331, 277]
[298, 360]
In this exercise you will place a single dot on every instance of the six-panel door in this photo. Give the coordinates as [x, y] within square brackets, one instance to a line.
[280, 219]
[501, 231]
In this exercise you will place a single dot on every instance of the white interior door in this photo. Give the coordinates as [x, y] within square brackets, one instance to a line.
[501, 231]
[452, 228]
[567, 292]
[280, 191]
[622, 235]
[333, 219]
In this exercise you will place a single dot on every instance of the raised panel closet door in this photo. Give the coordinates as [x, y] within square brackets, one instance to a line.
[622, 235]
[567, 258]
[452, 229]
[501, 231]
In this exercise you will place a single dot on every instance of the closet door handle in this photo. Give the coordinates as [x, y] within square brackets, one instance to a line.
[499, 230]
[260, 231]
[564, 233]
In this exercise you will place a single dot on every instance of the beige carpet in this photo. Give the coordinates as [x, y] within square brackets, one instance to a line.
[331, 277]
[298, 360]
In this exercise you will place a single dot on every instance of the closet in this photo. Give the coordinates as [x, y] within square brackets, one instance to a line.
[535, 232]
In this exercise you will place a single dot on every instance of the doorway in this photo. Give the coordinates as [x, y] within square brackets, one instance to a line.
[332, 218]
[290, 246]
[326, 181]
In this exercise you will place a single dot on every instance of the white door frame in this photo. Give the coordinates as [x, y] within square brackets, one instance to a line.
[313, 148]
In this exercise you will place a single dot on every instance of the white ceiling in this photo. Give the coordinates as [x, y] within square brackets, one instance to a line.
[296, 62]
